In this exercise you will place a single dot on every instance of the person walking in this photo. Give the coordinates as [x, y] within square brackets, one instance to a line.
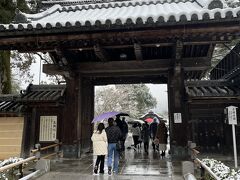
[124, 132]
[114, 135]
[136, 134]
[153, 132]
[162, 137]
[99, 139]
[146, 136]
[119, 122]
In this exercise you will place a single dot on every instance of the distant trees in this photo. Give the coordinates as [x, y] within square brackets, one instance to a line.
[7, 13]
[134, 99]
[14, 64]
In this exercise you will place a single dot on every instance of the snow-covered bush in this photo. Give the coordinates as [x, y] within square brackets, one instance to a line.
[221, 170]
[11, 173]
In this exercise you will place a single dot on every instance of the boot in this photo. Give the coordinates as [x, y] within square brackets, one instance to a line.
[95, 170]
[109, 170]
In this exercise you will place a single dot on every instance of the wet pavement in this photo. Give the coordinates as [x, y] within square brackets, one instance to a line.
[133, 165]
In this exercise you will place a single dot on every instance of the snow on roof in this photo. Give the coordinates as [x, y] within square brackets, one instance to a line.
[125, 12]
[42, 14]
[151, 113]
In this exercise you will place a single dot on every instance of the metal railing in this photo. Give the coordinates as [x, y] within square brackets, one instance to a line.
[35, 157]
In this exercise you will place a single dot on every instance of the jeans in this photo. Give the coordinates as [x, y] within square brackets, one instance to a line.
[112, 150]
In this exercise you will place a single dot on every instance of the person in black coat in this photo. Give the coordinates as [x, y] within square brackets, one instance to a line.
[146, 136]
[114, 135]
[124, 131]
[153, 132]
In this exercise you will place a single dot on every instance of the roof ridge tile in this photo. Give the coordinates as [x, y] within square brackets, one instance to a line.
[113, 4]
[136, 11]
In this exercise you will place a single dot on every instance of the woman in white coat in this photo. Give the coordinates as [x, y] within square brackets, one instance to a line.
[99, 139]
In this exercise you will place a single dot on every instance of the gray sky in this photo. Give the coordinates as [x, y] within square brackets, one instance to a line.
[159, 91]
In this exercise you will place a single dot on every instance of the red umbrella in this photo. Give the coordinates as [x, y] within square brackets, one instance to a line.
[149, 120]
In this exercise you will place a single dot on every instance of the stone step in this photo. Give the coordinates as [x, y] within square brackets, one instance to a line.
[79, 176]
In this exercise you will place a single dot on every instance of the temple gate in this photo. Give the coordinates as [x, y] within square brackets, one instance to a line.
[98, 43]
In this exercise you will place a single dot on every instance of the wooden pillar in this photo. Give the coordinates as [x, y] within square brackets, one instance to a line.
[87, 114]
[33, 128]
[77, 116]
[70, 125]
[176, 95]
[27, 135]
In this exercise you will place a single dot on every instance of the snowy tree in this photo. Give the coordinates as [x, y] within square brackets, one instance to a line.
[134, 99]
[7, 13]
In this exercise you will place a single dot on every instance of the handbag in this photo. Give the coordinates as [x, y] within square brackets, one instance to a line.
[119, 146]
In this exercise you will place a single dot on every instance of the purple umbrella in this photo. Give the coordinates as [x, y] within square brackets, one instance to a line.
[107, 115]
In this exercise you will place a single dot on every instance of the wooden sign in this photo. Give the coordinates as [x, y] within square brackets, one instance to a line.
[177, 118]
[232, 114]
[48, 128]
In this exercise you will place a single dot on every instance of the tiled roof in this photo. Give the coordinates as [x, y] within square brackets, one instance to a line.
[33, 94]
[43, 93]
[125, 13]
[150, 114]
[8, 103]
[229, 66]
[70, 2]
[212, 89]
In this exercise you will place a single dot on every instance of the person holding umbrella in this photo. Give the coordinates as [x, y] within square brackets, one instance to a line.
[114, 135]
[99, 139]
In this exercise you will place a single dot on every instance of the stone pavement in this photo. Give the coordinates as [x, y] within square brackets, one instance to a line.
[133, 165]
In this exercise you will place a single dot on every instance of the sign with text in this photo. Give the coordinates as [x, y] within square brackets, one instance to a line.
[232, 114]
[48, 128]
[177, 118]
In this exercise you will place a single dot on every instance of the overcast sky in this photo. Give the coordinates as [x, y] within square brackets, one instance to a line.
[159, 91]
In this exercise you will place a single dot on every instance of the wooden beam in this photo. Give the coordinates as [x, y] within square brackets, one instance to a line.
[122, 66]
[101, 53]
[126, 67]
[53, 69]
[138, 51]
[213, 100]
[196, 63]
[23, 49]
[157, 79]
[164, 32]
